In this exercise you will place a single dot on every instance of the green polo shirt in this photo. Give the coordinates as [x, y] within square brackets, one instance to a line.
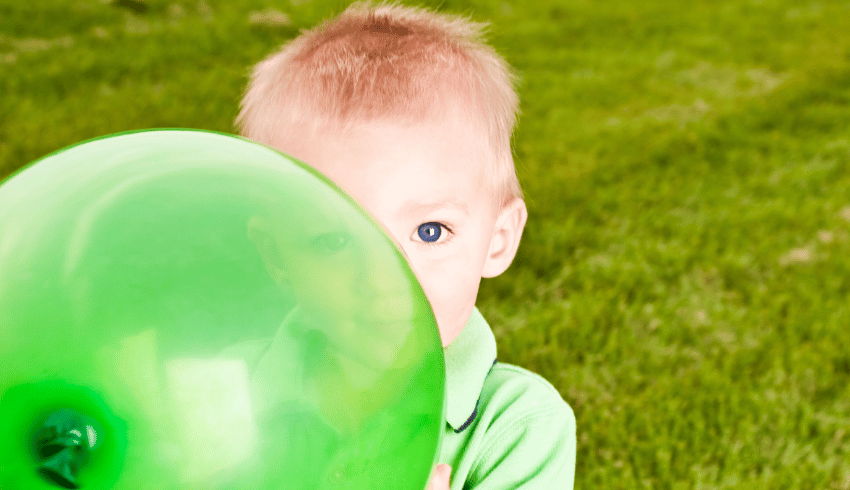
[506, 427]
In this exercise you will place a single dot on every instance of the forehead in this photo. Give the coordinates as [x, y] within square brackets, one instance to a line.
[412, 168]
[414, 206]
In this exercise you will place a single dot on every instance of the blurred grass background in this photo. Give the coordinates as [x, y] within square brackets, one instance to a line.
[683, 279]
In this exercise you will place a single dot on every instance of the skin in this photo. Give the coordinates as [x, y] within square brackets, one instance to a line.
[390, 171]
[387, 168]
[441, 477]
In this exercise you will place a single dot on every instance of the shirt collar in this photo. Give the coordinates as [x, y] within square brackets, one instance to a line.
[469, 359]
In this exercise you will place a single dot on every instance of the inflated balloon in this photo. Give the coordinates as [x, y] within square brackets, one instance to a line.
[190, 310]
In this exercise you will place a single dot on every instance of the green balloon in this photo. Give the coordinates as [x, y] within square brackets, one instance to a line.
[184, 309]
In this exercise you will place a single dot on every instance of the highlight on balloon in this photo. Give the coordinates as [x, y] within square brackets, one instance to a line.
[183, 309]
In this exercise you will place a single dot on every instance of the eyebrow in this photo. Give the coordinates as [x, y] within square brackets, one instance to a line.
[412, 207]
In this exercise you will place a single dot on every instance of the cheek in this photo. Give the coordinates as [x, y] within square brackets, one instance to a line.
[449, 286]
[324, 286]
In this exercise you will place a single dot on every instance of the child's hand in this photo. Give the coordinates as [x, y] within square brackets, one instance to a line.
[440, 479]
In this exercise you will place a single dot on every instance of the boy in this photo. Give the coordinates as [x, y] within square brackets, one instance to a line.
[411, 114]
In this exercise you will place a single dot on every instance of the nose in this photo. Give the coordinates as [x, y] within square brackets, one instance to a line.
[380, 272]
[394, 241]
[383, 279]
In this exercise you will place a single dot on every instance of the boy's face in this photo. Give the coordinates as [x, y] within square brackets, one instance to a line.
[425, 186]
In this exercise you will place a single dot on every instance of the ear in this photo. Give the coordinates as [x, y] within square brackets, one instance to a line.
[260, 232]
[506, 236]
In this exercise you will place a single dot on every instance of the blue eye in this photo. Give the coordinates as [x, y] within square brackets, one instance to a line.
[430, 232]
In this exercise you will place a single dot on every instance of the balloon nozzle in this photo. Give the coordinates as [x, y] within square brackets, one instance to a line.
[63, 444]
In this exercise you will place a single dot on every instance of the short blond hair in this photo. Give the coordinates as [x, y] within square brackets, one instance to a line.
[389, 64]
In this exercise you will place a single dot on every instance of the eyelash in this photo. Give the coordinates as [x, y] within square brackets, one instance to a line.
[437, 244]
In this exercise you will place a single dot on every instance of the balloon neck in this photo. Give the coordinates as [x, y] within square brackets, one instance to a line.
[63, 444]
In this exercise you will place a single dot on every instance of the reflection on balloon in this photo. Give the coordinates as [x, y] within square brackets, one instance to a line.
[190, 310]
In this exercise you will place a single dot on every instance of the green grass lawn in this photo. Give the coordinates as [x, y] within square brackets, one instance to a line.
[684, 277]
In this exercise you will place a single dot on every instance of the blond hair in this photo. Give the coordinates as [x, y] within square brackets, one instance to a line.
[389, 64]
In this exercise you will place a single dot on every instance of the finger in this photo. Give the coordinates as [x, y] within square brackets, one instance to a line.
[439, 481]
[442, 476]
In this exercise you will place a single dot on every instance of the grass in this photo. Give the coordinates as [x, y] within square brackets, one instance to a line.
[683, 279]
